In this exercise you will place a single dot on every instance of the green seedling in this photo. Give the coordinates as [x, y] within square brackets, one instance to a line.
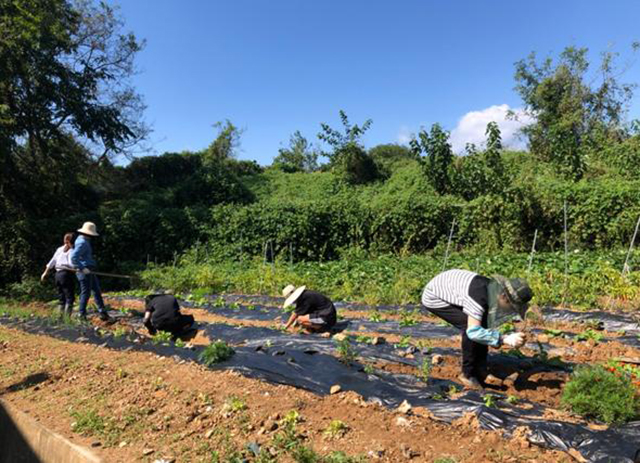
[368, 369]
[490, 400]
[376, 316]
[507, 328]
[162, 338]
[346, 354]
[364, 339]
[336, 429]
[180, 343]
[425, 370]
[216, 352]
[590, 334]
[409, 318]
[553, 333]
[120, 332]
[453, 390]
[404, 342]
[424, 345]
[512, 400]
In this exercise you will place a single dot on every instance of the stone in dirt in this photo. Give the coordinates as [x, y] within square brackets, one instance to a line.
[209, 433]
[96, 444]
[325, 335]
[147, 451]
[335, 389]
[340, 337]
[437, 359]
[402, 422]
[407, 452]
[511, 379]
[377, 340]
[404, 407]
[122, 444]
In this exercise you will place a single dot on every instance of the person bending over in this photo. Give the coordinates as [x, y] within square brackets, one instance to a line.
[314, 311]
[162, 313]
[477, 306]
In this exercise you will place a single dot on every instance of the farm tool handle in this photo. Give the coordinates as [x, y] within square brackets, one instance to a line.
[102, 274]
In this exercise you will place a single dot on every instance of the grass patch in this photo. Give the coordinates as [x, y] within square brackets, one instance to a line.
[597, 393]
[216, 352]
[336, 429]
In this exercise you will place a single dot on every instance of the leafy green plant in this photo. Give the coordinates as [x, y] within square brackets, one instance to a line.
[425, 370]
[369, 369]
[235, 404]
[590, 334]
[507, 328]
[216, 352]
[445, 460]
[88, 422]
[489, 400]
[553, 332]
[512, 399]
[409, 318]
[336, 429]
[405, 341]
[120, 332]
[364, 339]
[180, 343]
[376, 316]
[346, 354]
[595, 392]
[162, 338]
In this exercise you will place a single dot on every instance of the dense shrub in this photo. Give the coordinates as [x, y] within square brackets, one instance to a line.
[595, 392]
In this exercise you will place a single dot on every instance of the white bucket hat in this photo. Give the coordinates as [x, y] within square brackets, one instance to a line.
[88, 228]
[291, 294]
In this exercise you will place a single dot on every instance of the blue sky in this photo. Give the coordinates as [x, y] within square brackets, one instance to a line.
[276, 66]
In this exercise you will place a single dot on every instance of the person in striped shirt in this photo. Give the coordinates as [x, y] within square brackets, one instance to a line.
[477, 306]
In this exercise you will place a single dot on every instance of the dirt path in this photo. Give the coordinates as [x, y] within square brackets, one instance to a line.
[135, 406]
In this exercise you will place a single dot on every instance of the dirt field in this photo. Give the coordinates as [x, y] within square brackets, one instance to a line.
[136, 406]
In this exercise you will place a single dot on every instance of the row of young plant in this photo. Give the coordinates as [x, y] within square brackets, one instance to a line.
[585, 279]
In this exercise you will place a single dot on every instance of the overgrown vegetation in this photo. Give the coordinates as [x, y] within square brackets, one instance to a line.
[595, 392]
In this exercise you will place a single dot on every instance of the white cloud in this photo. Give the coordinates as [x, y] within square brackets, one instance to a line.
[472, 126]
[404, 135]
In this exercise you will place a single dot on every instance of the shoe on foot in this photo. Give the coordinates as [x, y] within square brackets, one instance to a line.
[104, 316]
[82, 317]
[469, 382]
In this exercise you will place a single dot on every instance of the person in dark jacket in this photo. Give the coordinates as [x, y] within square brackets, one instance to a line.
[162, 313]
[314, 311]
[65, 274]
[82, 260]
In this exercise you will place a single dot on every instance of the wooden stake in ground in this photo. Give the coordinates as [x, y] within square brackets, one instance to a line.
[625, 267]
[446, 254]
[533, 250]
[566, 256]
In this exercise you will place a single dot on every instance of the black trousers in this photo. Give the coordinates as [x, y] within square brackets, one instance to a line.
[474, 355]
[65, 283]
[177, 326]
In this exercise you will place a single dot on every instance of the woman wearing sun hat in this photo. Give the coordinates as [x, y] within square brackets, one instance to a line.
[82, 260]
[314, 311]
[477, 306]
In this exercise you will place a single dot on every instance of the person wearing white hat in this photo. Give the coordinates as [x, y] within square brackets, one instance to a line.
[314, 311]
[82, 260]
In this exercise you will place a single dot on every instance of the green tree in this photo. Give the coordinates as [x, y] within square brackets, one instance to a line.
[65, 94]
[348, 157]
[438, 158]
[573, 118]
[299, 156]
[226, 144]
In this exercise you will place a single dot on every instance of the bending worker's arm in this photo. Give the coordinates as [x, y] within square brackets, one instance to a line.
[492, 338]
[292, 319]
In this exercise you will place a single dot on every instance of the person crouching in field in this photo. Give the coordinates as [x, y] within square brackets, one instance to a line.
[64, 277]
[82, 260]
[314, 311]
[162, 313]
[477, 306]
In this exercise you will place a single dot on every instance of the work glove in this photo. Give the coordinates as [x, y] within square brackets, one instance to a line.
[514, 340]
[86, 271]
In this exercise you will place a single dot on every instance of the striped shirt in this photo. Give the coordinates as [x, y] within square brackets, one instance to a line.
[452, 288]
[60, 259]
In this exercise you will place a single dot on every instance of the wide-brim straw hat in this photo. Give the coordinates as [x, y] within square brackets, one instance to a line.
[291, 293]
[518, 292]
[88, 228]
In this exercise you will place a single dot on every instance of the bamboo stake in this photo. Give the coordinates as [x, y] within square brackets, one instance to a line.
[446, 254]
[533, 250]
[566, 255]
[625, 268]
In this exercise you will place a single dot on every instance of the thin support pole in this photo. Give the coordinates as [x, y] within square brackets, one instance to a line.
[533, 250]
[625, 268]
[446, 254]
[566, 255]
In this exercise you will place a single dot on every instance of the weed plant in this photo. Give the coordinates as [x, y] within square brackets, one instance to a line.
[162, 338]
[590, 334]
[336, 429]
[597, 393]
[346, 354]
